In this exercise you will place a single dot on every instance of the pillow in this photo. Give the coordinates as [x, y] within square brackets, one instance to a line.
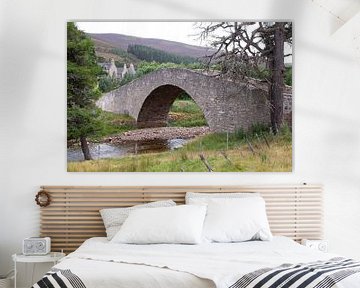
[203, 198]
[172, 225]
[236, 220]
[113, 218]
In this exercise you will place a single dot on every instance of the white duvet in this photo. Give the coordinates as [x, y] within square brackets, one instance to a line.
[100, 263]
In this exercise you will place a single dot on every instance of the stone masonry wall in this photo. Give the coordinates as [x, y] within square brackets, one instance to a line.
[227, 106]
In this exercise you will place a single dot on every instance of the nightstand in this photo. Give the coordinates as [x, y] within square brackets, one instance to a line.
[320, 245]
[53, 257]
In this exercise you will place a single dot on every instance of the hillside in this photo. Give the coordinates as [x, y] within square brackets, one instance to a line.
[109, 41]
[107, 51]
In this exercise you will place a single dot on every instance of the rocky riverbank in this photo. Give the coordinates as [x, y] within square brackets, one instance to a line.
[160, 133]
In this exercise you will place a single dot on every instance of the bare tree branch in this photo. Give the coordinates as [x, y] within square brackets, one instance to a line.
[247, 50]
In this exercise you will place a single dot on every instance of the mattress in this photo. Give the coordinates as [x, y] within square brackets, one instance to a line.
[99, 263]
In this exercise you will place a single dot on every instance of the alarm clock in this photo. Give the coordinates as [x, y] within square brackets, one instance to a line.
[36, 246]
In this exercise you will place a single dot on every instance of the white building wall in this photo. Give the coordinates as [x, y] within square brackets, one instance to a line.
[33, 108]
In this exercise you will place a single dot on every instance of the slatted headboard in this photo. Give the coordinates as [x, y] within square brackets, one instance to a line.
[73, 215]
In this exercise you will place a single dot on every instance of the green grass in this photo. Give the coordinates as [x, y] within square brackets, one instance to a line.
[186, 113]
[224, 141]
[288, 76]
[114, 124]
[183, 113]
[276, 158]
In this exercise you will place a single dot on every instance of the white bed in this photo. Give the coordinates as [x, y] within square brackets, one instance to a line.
[99, 263]
[216, 226]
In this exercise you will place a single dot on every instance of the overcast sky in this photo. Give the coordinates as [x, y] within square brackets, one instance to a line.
[176, 31]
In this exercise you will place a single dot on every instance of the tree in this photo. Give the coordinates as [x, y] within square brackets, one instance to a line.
[247, 48]
[151, 54]
[82, 88]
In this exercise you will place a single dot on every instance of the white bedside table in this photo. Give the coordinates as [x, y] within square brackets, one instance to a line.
[53, 257]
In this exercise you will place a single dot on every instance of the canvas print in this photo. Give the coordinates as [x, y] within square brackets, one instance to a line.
[179, 96]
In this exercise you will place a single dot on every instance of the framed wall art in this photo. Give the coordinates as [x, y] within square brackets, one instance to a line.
[179, 96]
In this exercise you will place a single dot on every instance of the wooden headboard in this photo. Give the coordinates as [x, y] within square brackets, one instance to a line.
[73, 214]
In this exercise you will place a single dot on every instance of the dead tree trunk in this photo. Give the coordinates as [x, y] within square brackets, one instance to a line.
[85, 148]
[277, 68]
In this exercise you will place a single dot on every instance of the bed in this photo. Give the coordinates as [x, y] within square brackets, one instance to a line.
[99, 263]
[294, 211]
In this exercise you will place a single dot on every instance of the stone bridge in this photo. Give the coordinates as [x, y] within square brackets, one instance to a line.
[227, 106]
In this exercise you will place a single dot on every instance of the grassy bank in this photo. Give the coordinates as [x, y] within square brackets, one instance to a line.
[111, 124]
[223, 153]
[183, 113]
[186, 113]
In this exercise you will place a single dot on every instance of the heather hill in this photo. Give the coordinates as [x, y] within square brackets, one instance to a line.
[110, 40]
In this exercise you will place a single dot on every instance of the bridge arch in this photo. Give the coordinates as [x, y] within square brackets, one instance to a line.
[156, 107]
[226, 105]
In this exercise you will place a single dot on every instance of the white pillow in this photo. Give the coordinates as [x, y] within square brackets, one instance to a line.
[180, 224]
[113, 218]
[204, 198]
[236, 220]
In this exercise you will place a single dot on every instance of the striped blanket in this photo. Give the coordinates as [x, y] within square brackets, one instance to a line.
[320, 274]
[57, 278]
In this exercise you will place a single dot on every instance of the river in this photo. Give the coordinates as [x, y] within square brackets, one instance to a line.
[110, 150]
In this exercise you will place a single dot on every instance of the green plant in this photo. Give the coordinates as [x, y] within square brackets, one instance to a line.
[258, 129]
[82, 88]
[240, 134]
[288, 76]
[150, 54]
[128, 78]
[107, 84]
[113, 124]
[286, 133]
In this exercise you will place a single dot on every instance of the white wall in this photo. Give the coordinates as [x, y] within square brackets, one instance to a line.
[33, 102]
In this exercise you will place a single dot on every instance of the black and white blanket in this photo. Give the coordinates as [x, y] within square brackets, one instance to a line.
[320, 274]
[57, 278]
